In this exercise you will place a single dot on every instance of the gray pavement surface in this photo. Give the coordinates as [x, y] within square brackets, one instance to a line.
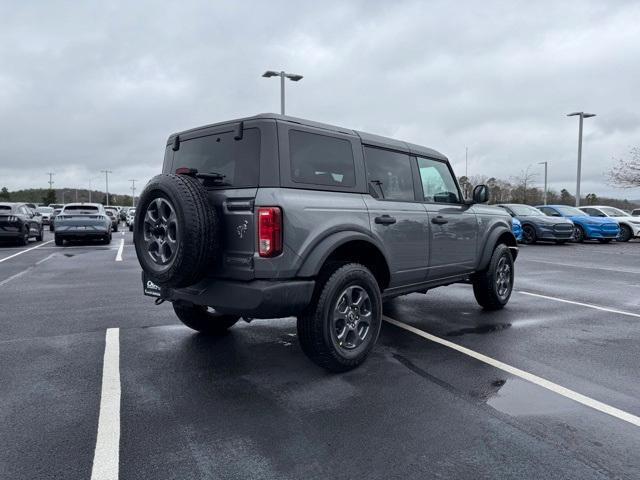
[250, 404]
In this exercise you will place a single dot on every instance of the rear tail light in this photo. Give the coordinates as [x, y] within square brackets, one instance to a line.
[269, 231]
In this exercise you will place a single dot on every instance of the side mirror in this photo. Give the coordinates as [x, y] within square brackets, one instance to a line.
[480, 194]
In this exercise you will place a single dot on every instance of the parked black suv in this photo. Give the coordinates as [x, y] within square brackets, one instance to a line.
[273, 216]
[20, 222]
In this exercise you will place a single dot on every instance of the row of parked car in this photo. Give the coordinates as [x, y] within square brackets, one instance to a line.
[73, 221]
[562, 223]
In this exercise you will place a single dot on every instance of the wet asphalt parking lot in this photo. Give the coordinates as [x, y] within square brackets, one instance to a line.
[547, 388]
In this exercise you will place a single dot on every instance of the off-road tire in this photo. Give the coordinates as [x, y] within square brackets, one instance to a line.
[485, 286]
[59, 241]
[315, 323]
[625, 234]
[199, 318]
[198, 242]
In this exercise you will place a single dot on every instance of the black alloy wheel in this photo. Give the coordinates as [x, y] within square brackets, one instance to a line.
[529, 236]
[578, 234]
[161, 232]
[625, 234]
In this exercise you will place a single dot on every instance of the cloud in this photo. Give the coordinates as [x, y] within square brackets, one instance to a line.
[84, 87]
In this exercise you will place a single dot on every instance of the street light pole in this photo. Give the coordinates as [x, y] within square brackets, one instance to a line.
[133, 192]
[545, 180]
[582, 116]
[51, 174]
[294, 77]
[106, 177]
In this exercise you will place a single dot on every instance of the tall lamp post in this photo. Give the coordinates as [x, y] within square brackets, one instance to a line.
[106, 178]
[582, 116]
[294, 77]
[545, 180]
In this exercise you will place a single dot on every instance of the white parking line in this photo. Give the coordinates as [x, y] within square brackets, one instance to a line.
[19, 274]
[587, 305]
[107, 454]
[120, 248]
[554, 387]
[585, 267]
[23, 251]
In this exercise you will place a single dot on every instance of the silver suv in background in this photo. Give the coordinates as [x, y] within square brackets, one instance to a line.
[273, 216]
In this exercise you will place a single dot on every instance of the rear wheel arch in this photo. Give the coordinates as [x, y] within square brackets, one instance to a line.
[348, 247]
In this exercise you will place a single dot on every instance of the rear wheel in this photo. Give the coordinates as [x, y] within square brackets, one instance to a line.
[107, 239]
[24, 238]
[59, 241]
[578, 234]
[40, 235]
[341, 325]
[529, 236]
[115, 227]
[201, 319]
[493, 286]
[625, 234]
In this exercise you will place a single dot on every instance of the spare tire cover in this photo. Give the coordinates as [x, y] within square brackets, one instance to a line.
[176, 231]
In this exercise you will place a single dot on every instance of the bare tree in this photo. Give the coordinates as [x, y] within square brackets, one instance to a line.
[522, 182]
[626, 172]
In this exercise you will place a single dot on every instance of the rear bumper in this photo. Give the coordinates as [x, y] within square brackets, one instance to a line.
[10, 233]
[253, 299]
[70, 234]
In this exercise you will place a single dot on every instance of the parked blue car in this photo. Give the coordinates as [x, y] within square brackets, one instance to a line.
[516, 228]
[603, 229]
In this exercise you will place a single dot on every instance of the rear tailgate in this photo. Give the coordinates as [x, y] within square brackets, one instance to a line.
[80, 222]
[232, 151]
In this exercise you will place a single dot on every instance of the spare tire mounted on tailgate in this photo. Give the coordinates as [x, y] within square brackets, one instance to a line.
[176, 231]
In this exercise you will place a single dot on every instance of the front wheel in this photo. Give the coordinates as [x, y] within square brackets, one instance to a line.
[493, 286]
[199, 318]
[341, 325]
[578, 234]
[625, 234]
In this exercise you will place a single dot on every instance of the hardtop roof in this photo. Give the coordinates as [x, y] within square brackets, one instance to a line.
[366, 138]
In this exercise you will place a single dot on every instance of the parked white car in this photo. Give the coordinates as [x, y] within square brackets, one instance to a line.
[629, 225]
[131, 214]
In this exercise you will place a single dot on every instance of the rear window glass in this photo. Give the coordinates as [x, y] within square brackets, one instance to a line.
[321, 160]
[237, 160]
[86, 209]
[389, 173]
[5, 208]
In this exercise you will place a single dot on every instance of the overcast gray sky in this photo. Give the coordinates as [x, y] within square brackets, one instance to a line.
[91, 85]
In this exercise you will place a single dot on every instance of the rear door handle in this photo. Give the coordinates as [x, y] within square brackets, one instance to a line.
[385, 220]
[439, 220]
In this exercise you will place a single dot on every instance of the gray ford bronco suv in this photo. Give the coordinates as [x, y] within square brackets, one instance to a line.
[273, 216]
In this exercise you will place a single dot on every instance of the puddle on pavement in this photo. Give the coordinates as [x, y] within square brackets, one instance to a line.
[518, 397]
[69, 254]
[481, 329]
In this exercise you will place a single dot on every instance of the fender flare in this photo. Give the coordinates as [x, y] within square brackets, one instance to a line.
[319, 253]
[491, 242]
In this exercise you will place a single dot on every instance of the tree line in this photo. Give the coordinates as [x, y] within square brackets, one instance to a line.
[521, 189]
[62, 195]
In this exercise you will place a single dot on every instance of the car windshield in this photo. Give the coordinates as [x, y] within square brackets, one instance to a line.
[571, 212]
[614, 212]
[44, 209]
[525, 210]
[81, 209]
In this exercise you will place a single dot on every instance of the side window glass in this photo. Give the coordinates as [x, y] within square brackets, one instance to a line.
[389, 174]
[438, 184]
[321, 159]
